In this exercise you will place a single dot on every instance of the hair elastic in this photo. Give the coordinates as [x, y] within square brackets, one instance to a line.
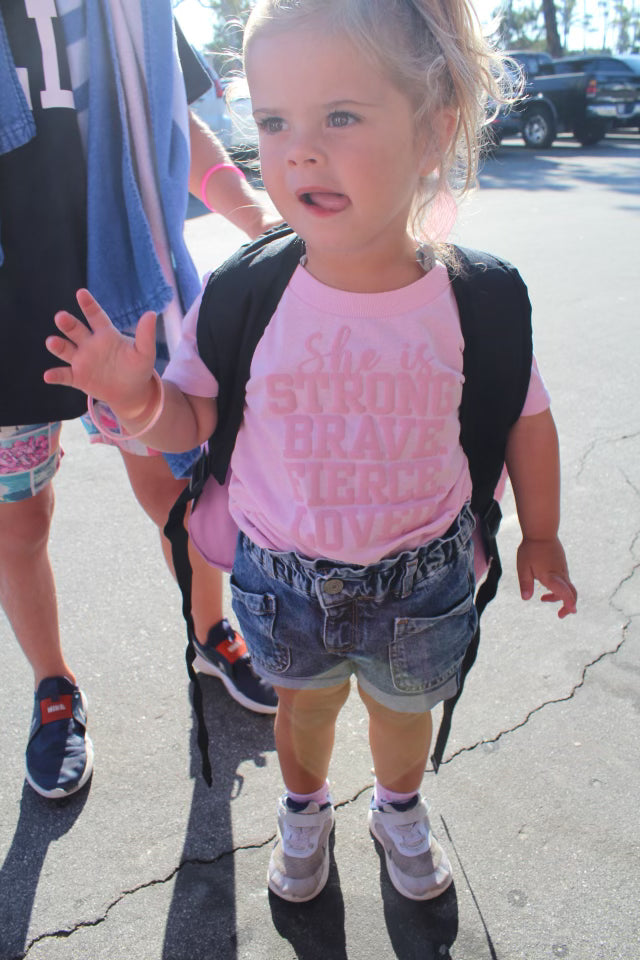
[155, 416]
[209, 173]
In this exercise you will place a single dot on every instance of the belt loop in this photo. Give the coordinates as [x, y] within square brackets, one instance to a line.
[267, 562]
[409, 577]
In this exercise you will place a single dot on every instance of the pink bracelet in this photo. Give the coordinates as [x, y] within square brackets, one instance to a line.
[209, 172]
[106, 432]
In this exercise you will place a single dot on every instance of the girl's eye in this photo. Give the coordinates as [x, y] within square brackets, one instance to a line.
[340, 118]
[271, 124]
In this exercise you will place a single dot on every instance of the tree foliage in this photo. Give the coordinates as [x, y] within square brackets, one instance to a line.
[524, 24]
[546, 24]
[225, 43]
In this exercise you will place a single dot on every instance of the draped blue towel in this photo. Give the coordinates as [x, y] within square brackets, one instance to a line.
[123, 271]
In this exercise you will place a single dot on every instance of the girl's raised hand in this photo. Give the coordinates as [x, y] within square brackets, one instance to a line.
[101, 361]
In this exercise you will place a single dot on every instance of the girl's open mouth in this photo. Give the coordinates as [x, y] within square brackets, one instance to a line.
[324, 200]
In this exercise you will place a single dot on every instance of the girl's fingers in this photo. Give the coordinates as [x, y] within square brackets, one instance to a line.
[60, 347]
[73, 329]
[561, 591]
[146, 334]
[59, 375]
[95, 315]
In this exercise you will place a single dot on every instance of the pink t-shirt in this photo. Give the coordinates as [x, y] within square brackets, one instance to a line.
[349, 448]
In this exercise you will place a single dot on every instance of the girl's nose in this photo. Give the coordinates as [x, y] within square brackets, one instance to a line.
[303, 153]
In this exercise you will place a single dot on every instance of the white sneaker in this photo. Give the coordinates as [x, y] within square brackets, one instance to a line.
[418, 866]
[299, 864]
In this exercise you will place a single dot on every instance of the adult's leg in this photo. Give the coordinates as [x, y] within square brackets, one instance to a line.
[27, 586]
[221, 652]
[156, 490]
[59, 754]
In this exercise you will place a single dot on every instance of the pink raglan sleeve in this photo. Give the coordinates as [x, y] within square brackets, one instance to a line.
[185, 368]
[537, 398]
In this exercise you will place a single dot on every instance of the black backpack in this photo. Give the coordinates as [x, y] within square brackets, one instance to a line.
[239, 300]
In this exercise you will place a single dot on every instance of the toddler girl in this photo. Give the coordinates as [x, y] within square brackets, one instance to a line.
[349, 484]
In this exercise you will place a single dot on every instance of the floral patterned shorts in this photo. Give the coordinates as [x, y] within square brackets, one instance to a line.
[29, 458]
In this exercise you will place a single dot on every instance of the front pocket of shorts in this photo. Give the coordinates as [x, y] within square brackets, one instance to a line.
[256, 613]
[428, 651]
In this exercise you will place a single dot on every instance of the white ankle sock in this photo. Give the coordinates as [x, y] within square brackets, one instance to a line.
[320, 796]
[383, 795]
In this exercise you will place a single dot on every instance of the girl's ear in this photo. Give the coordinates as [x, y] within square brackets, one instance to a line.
[442, 127]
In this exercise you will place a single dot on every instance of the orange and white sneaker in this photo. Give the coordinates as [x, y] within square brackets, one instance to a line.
[225, 655]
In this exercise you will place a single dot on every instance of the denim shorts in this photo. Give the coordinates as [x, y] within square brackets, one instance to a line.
[401, 625]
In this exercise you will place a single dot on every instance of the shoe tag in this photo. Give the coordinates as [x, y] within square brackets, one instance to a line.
[232, 650]
[60, 709]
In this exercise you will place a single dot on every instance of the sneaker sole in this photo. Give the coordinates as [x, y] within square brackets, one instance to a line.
[58, 793]
[203, 666]
[395, 877]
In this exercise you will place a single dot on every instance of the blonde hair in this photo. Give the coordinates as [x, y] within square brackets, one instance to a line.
[432, 50]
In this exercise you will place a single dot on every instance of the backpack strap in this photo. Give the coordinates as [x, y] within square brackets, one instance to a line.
[238, 303]
[239, 300]
[495, 319]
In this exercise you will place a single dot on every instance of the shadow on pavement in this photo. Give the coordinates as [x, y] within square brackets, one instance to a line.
[562, 167]
[315, 929]
[41, 823]
[418, 929]
[201, 924]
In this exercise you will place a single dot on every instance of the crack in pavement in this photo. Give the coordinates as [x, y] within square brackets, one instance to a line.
[582, 461]
[64, 934]
[546, 703]
[578, 685]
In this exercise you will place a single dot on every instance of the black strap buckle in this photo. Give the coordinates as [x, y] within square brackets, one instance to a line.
[199, 473]
[490, 520]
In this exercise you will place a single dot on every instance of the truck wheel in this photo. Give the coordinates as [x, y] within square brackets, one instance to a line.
[590, 132]
[538, 127]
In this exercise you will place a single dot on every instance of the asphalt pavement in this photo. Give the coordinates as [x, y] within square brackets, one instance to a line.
[537, 801]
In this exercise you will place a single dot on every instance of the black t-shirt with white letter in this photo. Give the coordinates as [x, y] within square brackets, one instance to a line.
[43, 206]
[42, 219]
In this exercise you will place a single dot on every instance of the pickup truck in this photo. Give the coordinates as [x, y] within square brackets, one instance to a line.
[571, 95]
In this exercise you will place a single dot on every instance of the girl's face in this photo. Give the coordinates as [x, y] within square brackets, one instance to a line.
[339, 155]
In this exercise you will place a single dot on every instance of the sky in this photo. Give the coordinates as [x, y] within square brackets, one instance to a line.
[196, 21]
